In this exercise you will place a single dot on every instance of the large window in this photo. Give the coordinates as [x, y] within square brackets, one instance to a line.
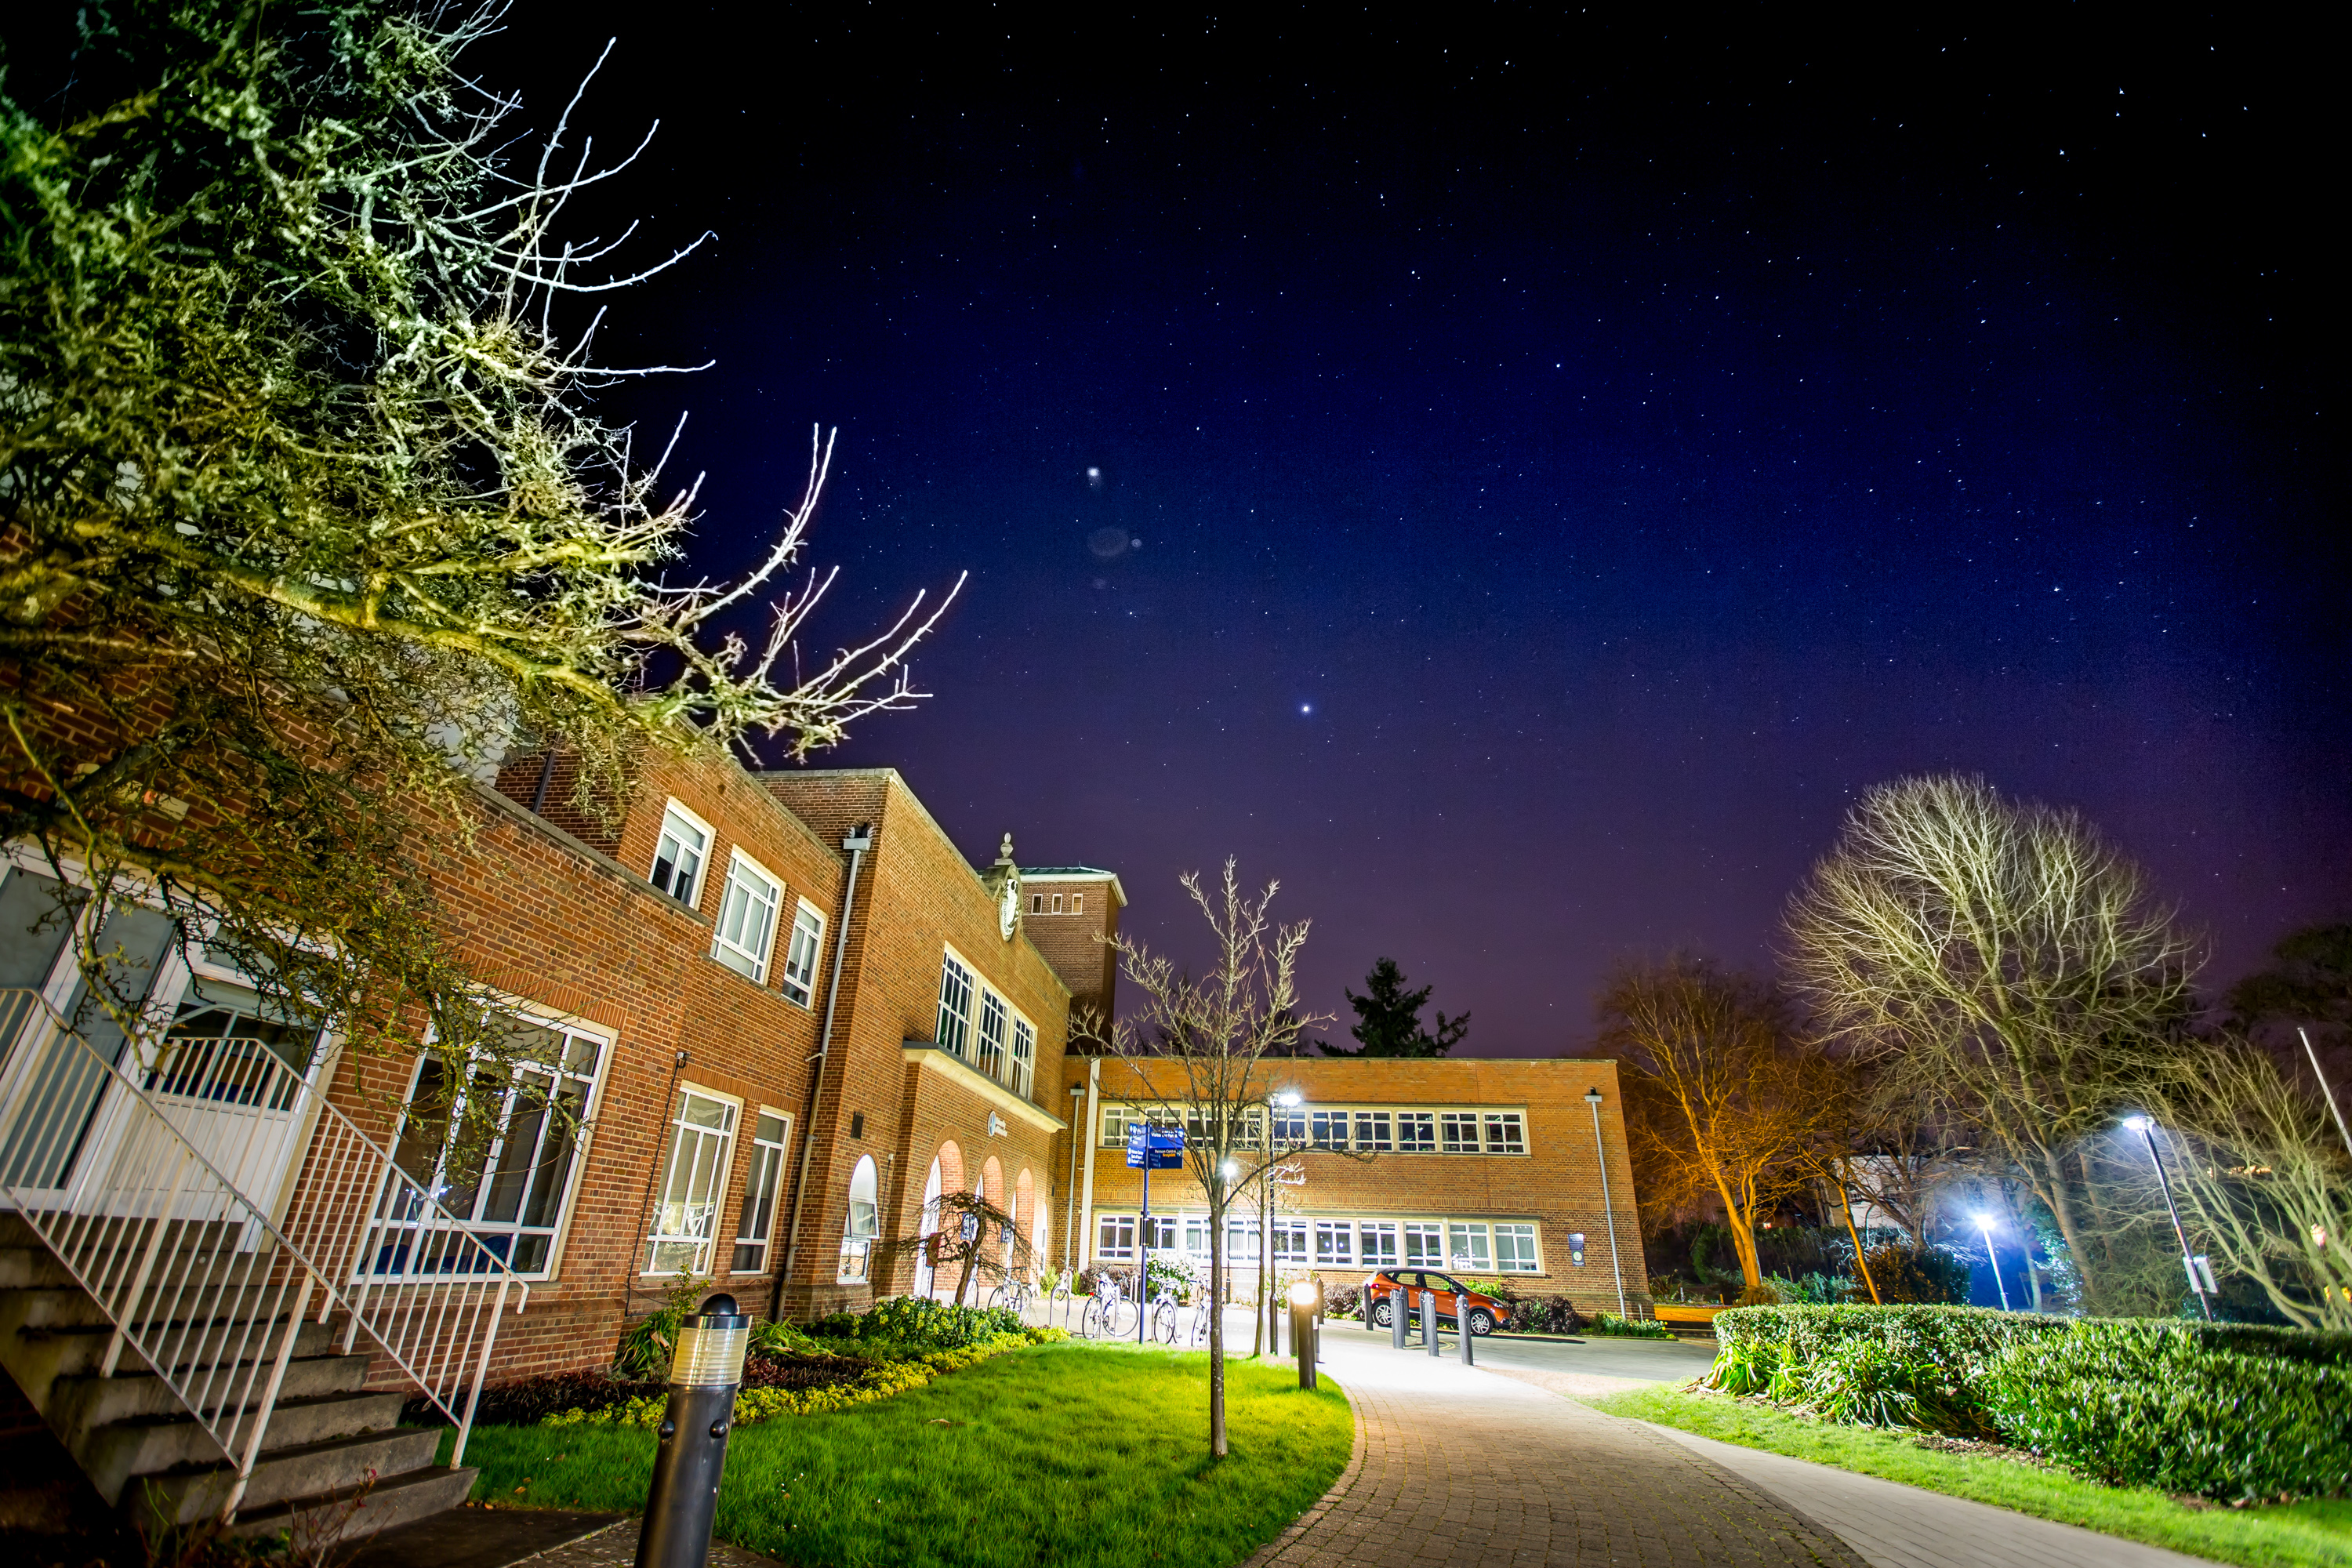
[993, 1023]
[686, 1213]
[1467, 1247]
[1289, 1240]
[1416, 1133]
[1024, 1056]
[1328, 1129]
[955, 1007]
[513, 1192]
[800, 961]
[1458, 1132]
[679, 855]
[1334, 1243]
[1116, 1237]
[1515, 1249]
[1377, 1242]
[1425, 1245]
[861, 1224]
[1372, 1133]
[757, 1224]
[747, 918]
[1505, 1134]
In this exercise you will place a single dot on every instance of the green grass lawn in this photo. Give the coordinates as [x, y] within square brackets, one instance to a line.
[2290, 1535]
[1062, 1454]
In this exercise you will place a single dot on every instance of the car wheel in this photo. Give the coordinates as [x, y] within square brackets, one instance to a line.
[1383, 1313]
[1482, 1321]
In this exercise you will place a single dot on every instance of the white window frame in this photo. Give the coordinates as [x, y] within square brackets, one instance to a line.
[953, 1033]
[1425, 1244]
[1024, 1055]
[768, 1156]
[1334, 1244]
[858, 1233]
[692, 897]
[803, 954]
[1078, 903]
[748, 959]
[685, 1215]
[1416, 1133]
[1109, 1230]
[1458, 1132]
[515, 1233]
[1526, 1258]
[1506, 1133]
[1478, 1256]
[1373, 1134]
[1329, 1129]
[993, 1040]
[1376, 1244]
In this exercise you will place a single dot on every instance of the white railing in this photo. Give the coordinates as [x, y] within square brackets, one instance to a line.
[155, 1188]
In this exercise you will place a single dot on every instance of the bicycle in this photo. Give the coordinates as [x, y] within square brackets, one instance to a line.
[1012, 1295]
[1163, 1318]
[1110, 1315]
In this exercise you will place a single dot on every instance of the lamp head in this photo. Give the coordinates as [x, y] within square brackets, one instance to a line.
[1592, 1096]
[2137, 1123]
[1288, 1097]
[1233, 1169]
[1303, 1294]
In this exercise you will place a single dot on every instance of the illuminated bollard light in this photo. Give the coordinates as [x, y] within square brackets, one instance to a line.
[1302, 1329]
[692, 1457]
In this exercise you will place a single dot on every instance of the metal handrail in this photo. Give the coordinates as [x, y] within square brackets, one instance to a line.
[369, 1238]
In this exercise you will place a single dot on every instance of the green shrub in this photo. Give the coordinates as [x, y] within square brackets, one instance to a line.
[1628, 1328]
[2217, 1411]
[1873, 1382]
[1924, 1276]
[920, 1323]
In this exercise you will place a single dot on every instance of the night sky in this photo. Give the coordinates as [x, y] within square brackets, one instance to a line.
[1516, 482]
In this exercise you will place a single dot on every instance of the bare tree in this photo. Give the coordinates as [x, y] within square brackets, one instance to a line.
[2005, 964]
[1725, 1098]
[969, 1233]
[1199, 1049]
[2264, 1178]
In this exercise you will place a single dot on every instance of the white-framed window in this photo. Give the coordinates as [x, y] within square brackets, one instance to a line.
[1416, 1133]
[1289, 1126]
[511, 1193]
[1372, 1135]
[1515, 1249]
[1328, 1129]
[681, 853]
[1024, 1055]
[747, 917]
[1116, 1120]
[994, 1026]
[1457, 1132]
[1506, 1133]
[1424, 1245]
[1036, 903]
[1376, 1243]
[1290, 1241]
[1159, 1232]
[1058, 903]
[756, 1226]
[686, 1209]
[801, 957]
[1466, 1246]
[1078, 903]
[956, 985]
[1196, 1234]
[1115, 1236]
[861, 1224]
[1241, 1238]
[1334, 1243]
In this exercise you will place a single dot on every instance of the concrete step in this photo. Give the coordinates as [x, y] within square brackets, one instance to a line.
[112, 1454]
[40, 1355]
[317, 1522]
[31, 1266]
[336, 1467]
[84, 1400]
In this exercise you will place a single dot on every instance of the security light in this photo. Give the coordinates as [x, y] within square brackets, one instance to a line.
[1233, 1169]
[1592, 1096]
[1288, 1097]
[1303, 1294]
[2137, 1123]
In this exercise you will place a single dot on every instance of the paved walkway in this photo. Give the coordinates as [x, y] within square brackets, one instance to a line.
[1454, 1465]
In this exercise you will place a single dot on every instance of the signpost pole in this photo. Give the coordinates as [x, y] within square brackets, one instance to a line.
[1143, 1249]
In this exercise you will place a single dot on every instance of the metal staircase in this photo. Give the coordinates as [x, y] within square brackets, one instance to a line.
[198, 1357]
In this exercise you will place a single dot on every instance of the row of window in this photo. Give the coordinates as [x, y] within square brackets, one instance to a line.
[748, 908]
[1352, 1130]
[1037, 904]
[982, 1028]
[1507, 1246]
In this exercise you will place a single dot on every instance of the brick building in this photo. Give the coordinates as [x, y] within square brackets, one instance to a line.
[1479, 1166]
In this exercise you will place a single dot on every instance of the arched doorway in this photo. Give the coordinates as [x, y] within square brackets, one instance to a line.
[927, 1223]
[862, 1226]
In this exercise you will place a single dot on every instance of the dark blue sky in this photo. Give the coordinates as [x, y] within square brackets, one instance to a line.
[1541, 468]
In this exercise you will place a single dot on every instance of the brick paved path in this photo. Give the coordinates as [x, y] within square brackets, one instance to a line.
[1454, 1466]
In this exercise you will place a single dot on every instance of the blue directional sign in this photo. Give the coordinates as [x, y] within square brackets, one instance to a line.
[1155, 1147]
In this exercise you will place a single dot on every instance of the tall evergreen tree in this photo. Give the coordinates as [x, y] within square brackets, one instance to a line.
[1388, 1019]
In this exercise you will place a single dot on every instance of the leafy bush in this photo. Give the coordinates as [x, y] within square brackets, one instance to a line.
[1922, 1275]
[920, 1323]
[1544, 1315]
[1959, 1341]
[1628, 1328]
[1871, 1383]
[1343, 1301]
[782, 1339]
[2221, 1413]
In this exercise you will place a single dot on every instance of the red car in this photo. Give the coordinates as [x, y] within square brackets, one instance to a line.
[1486, 1312]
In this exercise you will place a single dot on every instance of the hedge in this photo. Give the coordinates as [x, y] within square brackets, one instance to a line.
[2223, 1410]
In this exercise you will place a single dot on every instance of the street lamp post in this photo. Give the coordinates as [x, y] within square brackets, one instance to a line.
[1593, 1098]
[2147, 1132]
[1984, 1226]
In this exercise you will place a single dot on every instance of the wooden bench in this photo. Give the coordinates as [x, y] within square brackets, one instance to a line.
[1685, 1317]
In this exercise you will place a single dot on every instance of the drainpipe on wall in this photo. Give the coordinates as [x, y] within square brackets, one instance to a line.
[1087, 1199]
[1070, 1196]
[860, 839]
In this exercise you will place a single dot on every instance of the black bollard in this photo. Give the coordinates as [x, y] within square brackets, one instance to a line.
[1302, 1331]
[1462, 1321]
[703, 1377]
[1400, 1309]
[1429, 1321]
